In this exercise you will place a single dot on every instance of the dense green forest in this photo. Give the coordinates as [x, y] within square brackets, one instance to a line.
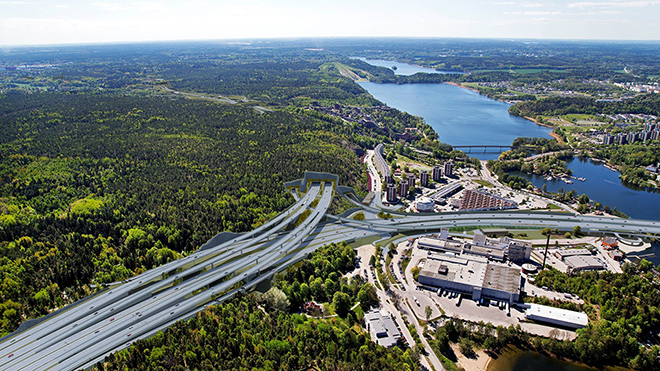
[648, 104]
[95, 188]
[248, 333]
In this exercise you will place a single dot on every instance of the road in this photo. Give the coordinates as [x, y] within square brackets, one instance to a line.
[84, 333]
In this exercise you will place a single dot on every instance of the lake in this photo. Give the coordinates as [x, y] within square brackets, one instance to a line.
[403, 69]
[515, 359]
[459, 116]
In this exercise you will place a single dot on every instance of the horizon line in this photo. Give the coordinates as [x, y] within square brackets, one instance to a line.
[292, 38]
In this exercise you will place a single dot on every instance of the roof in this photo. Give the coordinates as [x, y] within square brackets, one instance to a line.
[502, 278]
[544, 312]
[468, 272]
[382, 328]
[581, 262]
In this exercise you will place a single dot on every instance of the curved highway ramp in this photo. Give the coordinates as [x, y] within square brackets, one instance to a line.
[82, 334]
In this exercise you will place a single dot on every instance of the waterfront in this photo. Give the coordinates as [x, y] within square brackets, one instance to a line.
[603, 185]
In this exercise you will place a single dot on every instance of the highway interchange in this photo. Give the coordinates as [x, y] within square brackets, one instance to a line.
[82, 334]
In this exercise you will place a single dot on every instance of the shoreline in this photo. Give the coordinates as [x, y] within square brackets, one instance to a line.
[552, 133]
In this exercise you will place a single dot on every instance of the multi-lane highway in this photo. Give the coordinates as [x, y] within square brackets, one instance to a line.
[83, 334]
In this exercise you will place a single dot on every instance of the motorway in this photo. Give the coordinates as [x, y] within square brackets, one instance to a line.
[82, 334]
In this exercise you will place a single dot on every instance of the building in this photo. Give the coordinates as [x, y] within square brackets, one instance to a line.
[381, 164]
[425, 205]
[616, 255]
[584, 263]
[382, 328]
[437, 173]
[608, 139]
[447, 191]
[391, 193]
[472, 277]
[645, 135]
[404, 187]
[632, 137]
[563, 254]
[519, 251]
[411, 180]
[621, 138]
[449, 169]
[649, 126]
[439, 245]
[610, 242]
[424, 178]
[556, 316]
[655, 135]
[477, 200]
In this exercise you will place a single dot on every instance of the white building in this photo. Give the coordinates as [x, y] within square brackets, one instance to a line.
[382, 328]
[556, 316]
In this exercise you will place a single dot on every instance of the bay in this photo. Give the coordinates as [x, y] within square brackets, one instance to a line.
[603, 185]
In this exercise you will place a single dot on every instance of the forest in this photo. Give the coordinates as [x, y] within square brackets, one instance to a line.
[648, 104]
[247, 333]
[95, 188]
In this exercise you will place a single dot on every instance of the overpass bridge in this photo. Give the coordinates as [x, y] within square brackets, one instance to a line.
[84, 333]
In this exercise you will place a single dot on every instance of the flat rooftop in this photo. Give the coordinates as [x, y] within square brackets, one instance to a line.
[502, 278]
[582, 262]
[465, 271]
[544, 312]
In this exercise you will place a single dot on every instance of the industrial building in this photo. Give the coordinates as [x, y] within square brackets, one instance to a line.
[473, 277]
[519, 251]
[584, 263]
[382, 328]
[556, 316]
[440, 245]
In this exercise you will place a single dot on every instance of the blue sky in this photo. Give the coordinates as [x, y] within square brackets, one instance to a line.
[70, 21]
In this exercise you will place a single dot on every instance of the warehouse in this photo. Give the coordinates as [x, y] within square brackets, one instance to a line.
[556, 316]
[474, 277]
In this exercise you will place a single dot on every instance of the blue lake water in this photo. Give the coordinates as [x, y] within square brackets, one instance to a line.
[403, 69]
[603, 185]
[459, 116]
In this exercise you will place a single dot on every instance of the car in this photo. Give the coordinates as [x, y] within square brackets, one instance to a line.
[111, 309]
[112, 319]
[129, 335]
[96, 332]
[9, 356]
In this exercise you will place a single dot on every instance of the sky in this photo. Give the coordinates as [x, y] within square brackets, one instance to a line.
[73, 21]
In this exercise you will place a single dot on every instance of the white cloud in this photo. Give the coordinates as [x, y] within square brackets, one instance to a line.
[614, 4]
[110, 7]
[532, 13]
[16, 2]
[532, 5]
